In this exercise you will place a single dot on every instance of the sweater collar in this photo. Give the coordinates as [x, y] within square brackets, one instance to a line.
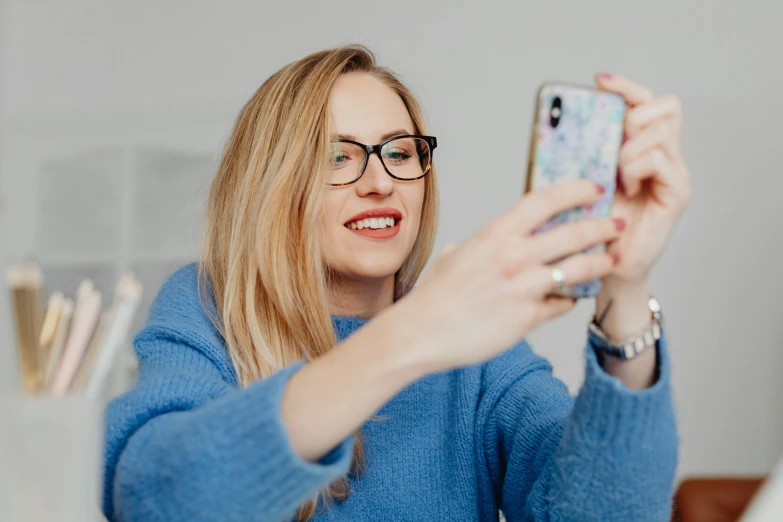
[345, 325]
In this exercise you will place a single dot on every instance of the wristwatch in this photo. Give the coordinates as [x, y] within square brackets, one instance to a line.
[633, 346]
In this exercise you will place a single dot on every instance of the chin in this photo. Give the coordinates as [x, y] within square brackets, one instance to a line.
[371, 268]
[376, 272]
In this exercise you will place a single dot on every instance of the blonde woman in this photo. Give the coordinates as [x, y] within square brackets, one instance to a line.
[297, 373]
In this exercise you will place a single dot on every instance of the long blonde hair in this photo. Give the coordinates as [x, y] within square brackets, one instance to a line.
[262, 258]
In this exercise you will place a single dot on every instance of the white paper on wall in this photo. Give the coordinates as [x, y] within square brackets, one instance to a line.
[78, 201]
[171, 191]
[104, 211]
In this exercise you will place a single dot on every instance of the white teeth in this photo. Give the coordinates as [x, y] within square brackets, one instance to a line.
[374, 223]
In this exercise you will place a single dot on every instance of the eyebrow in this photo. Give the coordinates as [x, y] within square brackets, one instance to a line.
[392, 134]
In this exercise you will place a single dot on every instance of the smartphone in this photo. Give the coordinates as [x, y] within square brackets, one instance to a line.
[577, 133]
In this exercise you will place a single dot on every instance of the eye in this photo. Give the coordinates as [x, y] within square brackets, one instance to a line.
[338, 158]
[396, 155]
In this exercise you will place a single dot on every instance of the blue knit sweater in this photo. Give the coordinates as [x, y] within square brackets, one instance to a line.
[187, 444]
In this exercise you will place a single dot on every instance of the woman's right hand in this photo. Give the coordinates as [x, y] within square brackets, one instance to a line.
[482, 296]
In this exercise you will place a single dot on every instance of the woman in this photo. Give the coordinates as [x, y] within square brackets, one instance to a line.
[262, 369]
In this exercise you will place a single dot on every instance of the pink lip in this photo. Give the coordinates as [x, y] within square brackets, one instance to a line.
[377, 212]
[384, 233]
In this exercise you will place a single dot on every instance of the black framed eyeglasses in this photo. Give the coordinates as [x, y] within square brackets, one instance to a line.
[406, 158]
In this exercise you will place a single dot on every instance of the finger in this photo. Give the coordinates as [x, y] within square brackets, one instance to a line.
[632, 92]
[667, 106]
[652, 164]
[571, 238]
[537, 207]
[578, 268]
[659, 134]
[553, 307]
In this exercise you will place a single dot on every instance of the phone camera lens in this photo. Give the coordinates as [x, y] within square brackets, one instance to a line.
[555, 111]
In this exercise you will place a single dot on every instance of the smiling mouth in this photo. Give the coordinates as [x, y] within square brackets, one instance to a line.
[379, 223]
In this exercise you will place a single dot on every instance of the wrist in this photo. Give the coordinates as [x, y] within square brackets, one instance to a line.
[398, 343]
[629, 312]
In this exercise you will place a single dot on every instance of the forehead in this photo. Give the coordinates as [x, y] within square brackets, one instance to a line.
[364, 107]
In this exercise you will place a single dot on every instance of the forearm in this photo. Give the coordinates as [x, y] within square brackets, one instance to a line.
[629, 315]
[617, 456]
[610, 455]
[216, 453]
[332, 396]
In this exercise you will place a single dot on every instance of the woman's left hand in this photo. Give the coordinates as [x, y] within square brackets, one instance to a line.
[653, 180]
[653, 188]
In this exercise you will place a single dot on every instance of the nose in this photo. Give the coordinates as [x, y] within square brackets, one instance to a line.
[375, 179]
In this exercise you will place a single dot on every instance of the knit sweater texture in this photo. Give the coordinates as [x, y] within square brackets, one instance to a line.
[187, 443]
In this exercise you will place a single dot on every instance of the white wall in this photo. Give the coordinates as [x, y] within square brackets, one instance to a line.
[476, 68]
[7, 363]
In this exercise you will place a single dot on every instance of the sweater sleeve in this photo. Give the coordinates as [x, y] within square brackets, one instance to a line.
[187, 444]
[609, 455]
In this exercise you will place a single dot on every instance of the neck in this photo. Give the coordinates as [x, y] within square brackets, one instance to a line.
[360, 298]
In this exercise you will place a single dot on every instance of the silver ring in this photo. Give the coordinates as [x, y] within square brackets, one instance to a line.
[559, 279]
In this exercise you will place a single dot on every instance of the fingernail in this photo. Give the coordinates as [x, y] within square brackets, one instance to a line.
[625, 138]
[603, 76]
[615, 259]
[619, 224]
[600, 188]
[619, 181]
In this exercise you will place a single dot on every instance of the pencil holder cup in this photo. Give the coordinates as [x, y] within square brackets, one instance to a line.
[50, 458]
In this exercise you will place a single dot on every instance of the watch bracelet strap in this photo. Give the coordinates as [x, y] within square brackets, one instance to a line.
[634, 345]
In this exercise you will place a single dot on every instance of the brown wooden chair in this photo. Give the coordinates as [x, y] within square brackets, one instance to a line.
[714, 499]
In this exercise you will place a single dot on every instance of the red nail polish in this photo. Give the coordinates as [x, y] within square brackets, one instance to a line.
[604, 76]
[619, 223]
[625, 138]
[600, 188]
[615, 259]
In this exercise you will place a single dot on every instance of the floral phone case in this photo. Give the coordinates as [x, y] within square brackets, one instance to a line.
[577, 134]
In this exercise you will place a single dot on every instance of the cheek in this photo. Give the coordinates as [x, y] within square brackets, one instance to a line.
[415, 203]
[332, 203]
